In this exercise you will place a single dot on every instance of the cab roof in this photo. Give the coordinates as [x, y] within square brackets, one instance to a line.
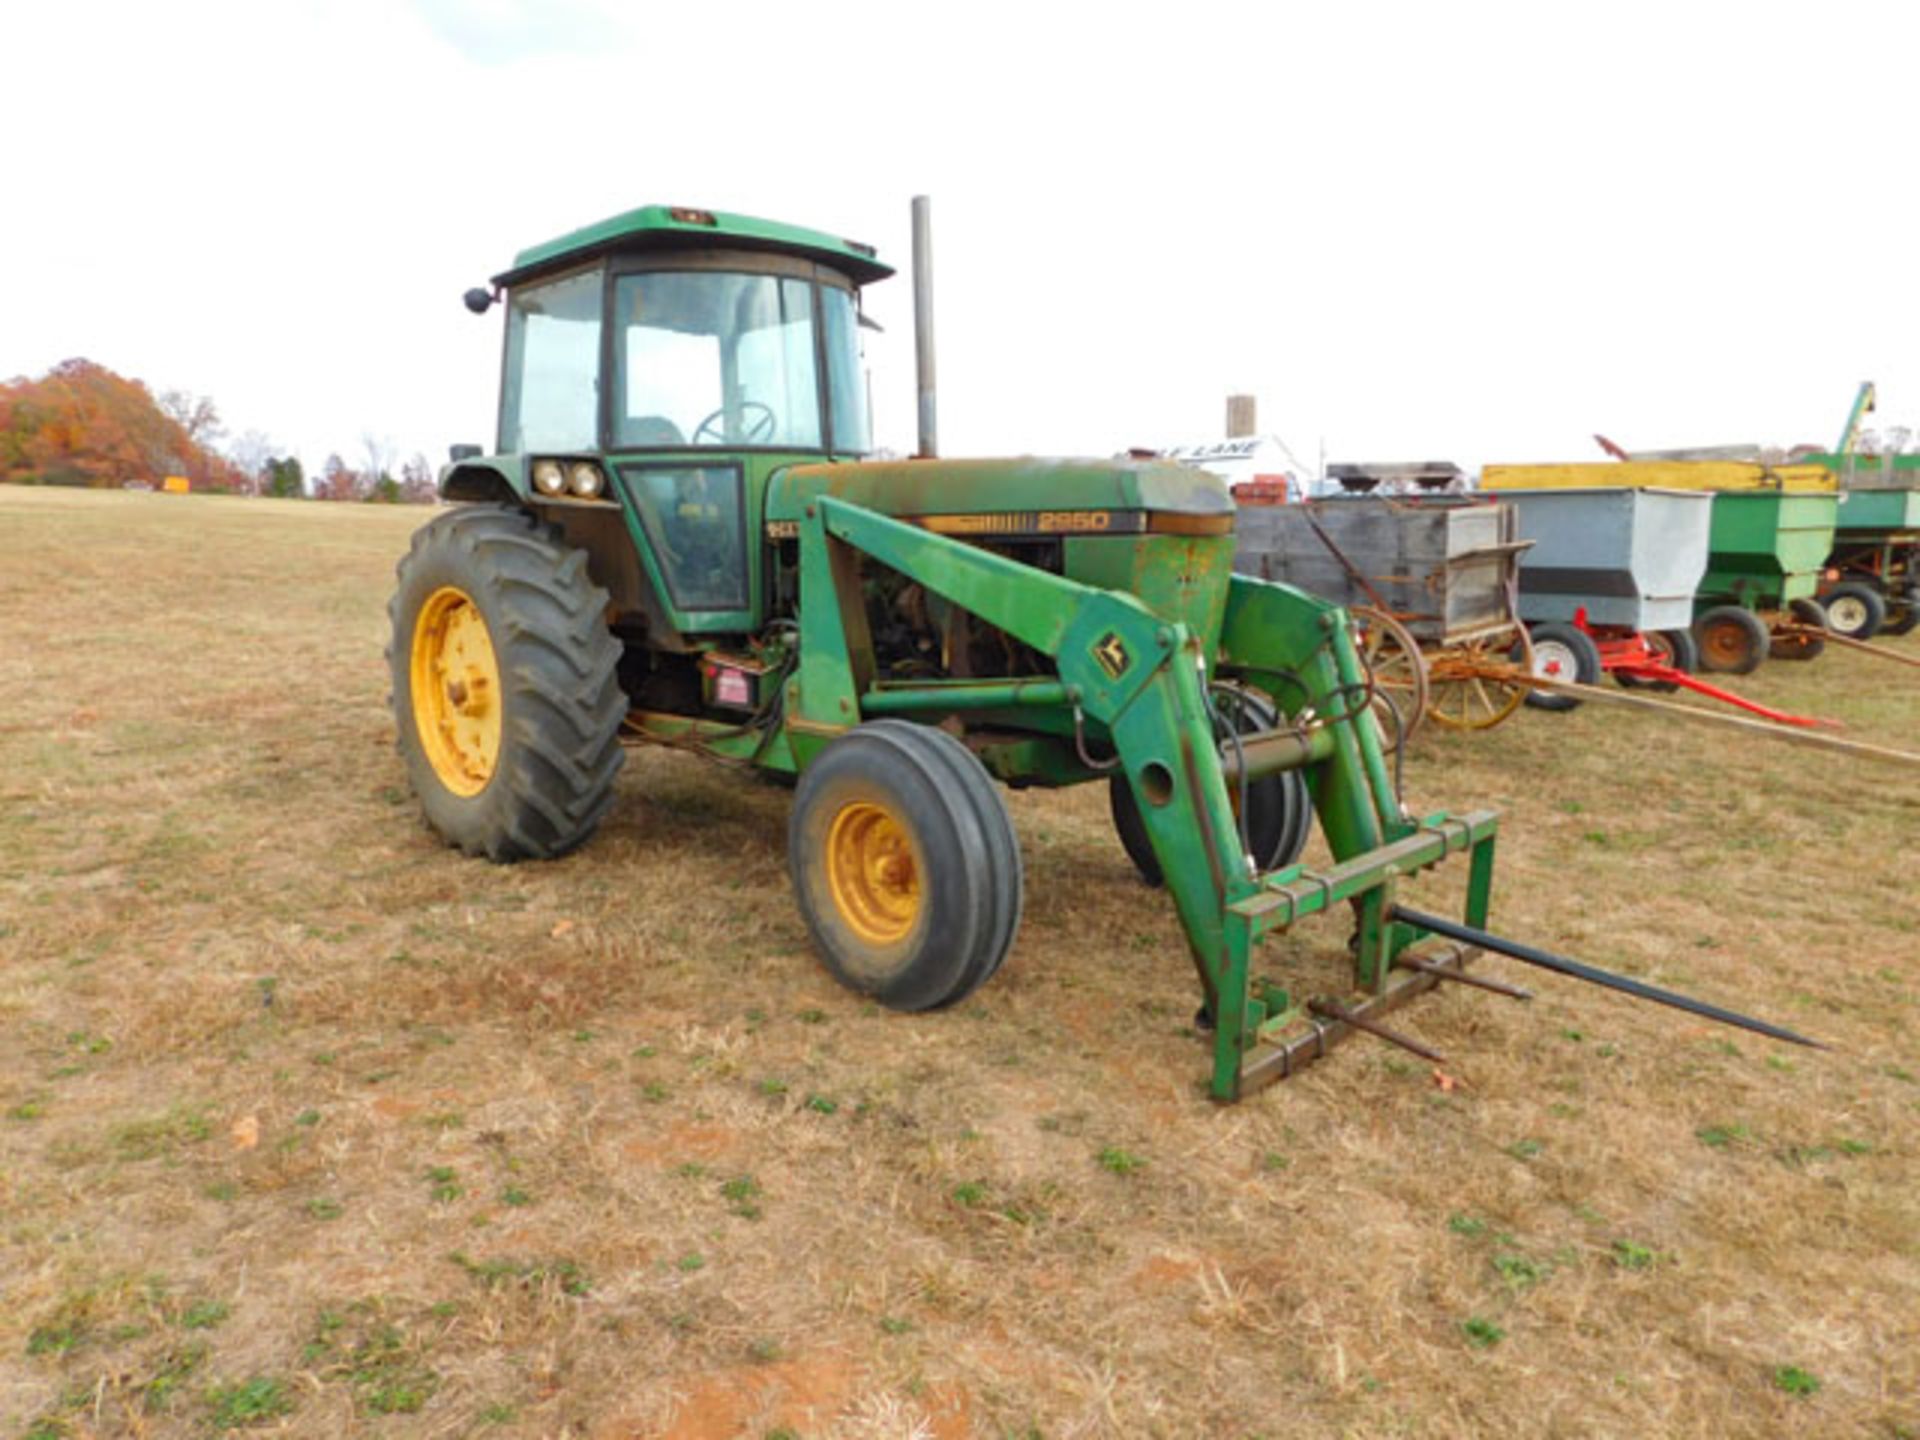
[678, 227]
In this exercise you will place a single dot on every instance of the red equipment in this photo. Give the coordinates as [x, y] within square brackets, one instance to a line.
[1628, 656]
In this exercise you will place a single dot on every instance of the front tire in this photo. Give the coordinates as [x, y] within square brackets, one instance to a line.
[905, 865]
[504, 694]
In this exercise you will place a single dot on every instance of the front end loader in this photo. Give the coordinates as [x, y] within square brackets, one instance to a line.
[678, 540]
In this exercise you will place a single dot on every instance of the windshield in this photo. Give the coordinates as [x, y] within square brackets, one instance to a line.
[708, 358]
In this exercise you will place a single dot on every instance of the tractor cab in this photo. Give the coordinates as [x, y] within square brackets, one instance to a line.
[659, 368]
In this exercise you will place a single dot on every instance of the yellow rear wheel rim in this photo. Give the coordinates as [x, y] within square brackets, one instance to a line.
[872, 873]
[456, 691]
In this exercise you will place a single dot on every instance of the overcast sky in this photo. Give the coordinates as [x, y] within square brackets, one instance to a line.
[1445, 230]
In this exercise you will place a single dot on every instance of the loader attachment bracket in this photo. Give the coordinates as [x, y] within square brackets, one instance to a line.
[1253, 1044]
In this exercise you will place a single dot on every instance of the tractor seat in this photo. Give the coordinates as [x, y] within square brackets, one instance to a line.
[652, 431]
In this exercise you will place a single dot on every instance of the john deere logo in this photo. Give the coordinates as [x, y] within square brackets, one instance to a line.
[1112, 655]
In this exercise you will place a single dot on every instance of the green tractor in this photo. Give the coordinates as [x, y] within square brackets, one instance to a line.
[679, 542]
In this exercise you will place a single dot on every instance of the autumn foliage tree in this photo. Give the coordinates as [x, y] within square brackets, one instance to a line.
[339, 481]
[81, 424]
[194, 414]
[417, 486]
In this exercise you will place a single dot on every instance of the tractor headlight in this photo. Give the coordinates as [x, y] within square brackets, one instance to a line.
[585, 480]
[549, 478]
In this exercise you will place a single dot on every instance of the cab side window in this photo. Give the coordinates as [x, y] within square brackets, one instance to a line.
[550, 398]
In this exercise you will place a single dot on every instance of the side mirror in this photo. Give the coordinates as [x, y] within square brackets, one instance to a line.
[479, 300]
[457, 453]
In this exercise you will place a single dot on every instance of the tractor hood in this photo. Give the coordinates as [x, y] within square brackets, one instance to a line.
[1014, 497]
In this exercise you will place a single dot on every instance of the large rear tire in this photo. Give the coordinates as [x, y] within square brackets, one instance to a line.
[504, 695]
[905, 865]
[1732, 640]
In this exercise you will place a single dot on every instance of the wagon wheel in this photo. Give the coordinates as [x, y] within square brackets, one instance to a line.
[1399, 673]
[1476, 686]
[1800, 644]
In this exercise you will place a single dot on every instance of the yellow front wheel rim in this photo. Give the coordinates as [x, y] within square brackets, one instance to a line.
[872, 873]
[456, 691]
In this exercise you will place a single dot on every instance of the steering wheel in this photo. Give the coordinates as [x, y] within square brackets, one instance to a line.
[759, 424]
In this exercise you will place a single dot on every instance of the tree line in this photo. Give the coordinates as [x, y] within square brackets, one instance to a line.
[82, 425]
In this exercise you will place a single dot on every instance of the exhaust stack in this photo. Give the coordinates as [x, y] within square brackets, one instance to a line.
[923, 325]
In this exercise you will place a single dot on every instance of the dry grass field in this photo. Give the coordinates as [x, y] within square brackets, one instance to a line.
[310, 1126]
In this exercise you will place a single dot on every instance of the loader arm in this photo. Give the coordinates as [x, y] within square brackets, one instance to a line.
[1142, 681]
